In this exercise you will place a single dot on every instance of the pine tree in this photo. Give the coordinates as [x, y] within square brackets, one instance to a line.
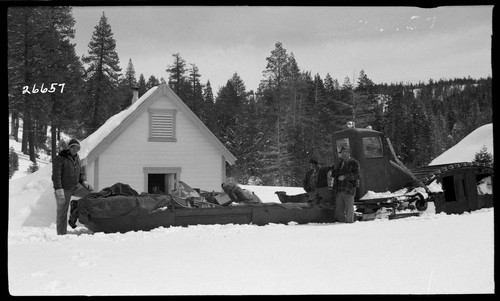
[196, 89]
[320, 121]
[247, 136]
[102, 78]
[127, 83]
[130, 74]
[419, 133]
[40, 51]
[294, 92]
[63, 66]
[438, 137]
[330, 86]
[396, 118]
[364, 103]
[276, 72]
[142, 85]
[24, 53]
[483, 156]
[177, 72]
[207, 114]
[226, 108]
[240, 130]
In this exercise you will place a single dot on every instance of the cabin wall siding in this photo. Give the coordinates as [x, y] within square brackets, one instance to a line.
[125, 158]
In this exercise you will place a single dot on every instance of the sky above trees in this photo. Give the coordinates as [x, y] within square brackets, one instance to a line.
[391, 44]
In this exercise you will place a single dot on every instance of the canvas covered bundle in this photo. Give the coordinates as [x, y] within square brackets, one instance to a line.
[114, 201]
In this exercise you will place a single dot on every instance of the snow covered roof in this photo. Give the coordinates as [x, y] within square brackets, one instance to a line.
[466, 149]
[94, 144]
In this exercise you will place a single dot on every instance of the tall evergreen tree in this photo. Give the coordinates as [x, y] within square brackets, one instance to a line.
[276, 72]
[364, 102]
[396, 117]
[102, 77]
[127, 84]
[330, 86]
[40, 51]
[130, 74]
[295, 92]
[176, 73]
[418, 133]
[63, 66]
[226, 107]
[24, 54]
[207, 114]
[196, 90]
[142, 85]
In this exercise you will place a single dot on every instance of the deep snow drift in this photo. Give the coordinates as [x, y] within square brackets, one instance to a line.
[431, 254]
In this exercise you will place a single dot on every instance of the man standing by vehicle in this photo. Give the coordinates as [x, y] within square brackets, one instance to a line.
[346, 177]
[68, 179]
[310, 182]
[316, 184]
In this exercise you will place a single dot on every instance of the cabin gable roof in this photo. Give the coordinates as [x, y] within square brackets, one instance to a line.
[141, 106]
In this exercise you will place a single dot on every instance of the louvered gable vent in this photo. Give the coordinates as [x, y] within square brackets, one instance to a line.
[162, 125]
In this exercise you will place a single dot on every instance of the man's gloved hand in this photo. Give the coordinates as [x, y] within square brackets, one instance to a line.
[60, 194]
[87, 185]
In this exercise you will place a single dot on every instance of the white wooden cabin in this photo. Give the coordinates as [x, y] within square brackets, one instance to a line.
[158, 141]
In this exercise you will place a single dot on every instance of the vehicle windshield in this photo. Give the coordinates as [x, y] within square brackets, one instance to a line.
[372, 147]
[340, 142]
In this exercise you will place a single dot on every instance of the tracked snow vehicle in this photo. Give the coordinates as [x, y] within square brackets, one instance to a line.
[386, 189]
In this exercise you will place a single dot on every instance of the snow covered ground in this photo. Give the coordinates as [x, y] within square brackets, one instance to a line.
[431, 254]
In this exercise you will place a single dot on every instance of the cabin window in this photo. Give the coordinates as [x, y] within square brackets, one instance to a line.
[340, 142]
[162, 125]
[372, 147]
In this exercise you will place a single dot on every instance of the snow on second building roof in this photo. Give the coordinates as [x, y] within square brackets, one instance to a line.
[466, 149]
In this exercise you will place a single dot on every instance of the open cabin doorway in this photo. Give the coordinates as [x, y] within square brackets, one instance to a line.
[162, 180]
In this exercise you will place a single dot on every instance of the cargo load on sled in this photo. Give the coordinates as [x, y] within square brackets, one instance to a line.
[120, 208]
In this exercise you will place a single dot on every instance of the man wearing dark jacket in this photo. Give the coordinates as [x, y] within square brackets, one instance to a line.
[68, 179]
[346, 176]
[315, 183]
[310, 182]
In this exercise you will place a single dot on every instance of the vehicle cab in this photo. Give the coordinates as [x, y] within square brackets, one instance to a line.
[378, 173]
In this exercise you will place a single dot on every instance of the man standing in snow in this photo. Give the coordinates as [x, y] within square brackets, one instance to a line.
[346, 177]
[315, 183]
[69, 179]
[311, 178]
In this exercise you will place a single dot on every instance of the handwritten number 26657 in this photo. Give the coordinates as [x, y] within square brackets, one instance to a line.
[42, 89]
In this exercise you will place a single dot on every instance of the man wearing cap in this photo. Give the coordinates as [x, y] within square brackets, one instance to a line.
[316, 183]
[346, 176]
[68, 178]
[310, 181]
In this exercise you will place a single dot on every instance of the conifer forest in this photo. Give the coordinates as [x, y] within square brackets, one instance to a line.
[272, 131]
